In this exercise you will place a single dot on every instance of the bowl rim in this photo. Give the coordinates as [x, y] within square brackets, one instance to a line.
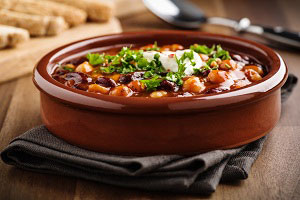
[82, 99]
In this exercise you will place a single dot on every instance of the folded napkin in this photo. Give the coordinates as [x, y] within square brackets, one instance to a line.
[39, 150]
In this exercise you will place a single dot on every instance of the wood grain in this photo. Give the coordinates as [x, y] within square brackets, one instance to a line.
[30, 52]
[275, 175]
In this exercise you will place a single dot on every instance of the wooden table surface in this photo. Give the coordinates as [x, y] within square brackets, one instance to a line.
[275, 174]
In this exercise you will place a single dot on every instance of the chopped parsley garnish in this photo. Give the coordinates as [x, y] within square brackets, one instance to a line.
[108, 70]
[202, 49]
[153, 83]
[202, 69]
[95, 58]
[214, 51]
[221, 53]
[129, 60]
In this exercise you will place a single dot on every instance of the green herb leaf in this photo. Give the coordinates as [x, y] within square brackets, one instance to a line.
[202, 69]
[148, 74]
[153, 83]
[221, 53]
[95, 58]
[108, 70]
[174, 77]
[202, 49]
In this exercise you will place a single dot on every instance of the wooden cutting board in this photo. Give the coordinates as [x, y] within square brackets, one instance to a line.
[21, 60]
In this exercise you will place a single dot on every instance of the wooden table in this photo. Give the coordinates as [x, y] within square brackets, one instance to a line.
[275, 174]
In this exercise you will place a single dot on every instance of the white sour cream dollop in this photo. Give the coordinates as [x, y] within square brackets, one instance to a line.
[168, 60]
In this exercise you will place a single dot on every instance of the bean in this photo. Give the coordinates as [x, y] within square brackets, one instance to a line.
[217, 76]
[125, 78]
[106, 82]
[158, 94]
[252, 75]
[169, 86]
[82, 86]
[136, 86]
[98, 89]
[84, 67]
[78, 77]
[227, 64]
[193, 84]
[121, 90]
[255, 68]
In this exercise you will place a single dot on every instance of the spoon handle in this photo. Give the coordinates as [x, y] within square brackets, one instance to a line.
[281, 35]
[277, 34]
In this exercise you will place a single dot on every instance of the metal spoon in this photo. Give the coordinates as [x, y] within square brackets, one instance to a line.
[184, 14]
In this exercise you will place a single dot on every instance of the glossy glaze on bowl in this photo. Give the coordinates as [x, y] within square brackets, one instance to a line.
[169, 125]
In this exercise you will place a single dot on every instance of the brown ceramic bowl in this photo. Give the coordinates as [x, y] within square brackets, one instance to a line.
[168, 125]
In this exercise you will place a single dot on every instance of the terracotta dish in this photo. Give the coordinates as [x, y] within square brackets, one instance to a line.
[167, 125]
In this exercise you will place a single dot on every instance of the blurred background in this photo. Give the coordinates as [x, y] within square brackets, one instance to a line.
[285, 13]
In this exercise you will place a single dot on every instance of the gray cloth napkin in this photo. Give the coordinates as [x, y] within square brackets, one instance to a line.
[39, 150]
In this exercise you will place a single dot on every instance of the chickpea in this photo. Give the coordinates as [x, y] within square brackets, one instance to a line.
[193, 84]
[158, 94]
[217, 76]
[227, 64]
[121, 90]
[219, 61]
[84, 67]
[203, 57]
[252, 75]
[255, 68]
[136, 86]
[98, 89]
[213, 64]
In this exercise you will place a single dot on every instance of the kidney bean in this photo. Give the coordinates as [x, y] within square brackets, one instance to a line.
[106, 82]
[59, 78]
[82, 86]
[78, 77]
[168, 86]
[125, 78]
[75, 76]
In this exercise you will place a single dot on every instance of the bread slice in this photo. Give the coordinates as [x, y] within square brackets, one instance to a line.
[73, 16]
[12, 36]
[97, 10]
[36, 25]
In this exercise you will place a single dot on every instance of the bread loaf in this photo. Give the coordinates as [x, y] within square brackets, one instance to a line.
[72, 15]
[35, 24]
[97, 10]
[11, 36]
